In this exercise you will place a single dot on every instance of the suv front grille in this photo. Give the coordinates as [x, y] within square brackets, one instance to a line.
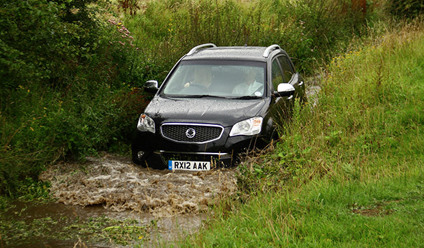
[191, 133]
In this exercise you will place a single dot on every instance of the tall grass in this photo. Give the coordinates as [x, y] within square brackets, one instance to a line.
[310, 30]
[350, 169]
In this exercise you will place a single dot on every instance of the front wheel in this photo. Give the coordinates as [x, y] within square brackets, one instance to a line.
[148, 159]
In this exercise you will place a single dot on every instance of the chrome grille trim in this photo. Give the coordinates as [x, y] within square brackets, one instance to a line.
[192, 125]
[195, 153]
[219, 155]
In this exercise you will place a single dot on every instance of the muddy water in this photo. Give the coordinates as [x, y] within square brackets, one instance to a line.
[119, 185]
[60, 225]
[112, 187]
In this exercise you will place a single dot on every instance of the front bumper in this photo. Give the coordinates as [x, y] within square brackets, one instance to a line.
[225, 149]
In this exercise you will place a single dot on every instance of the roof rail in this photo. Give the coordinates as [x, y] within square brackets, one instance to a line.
[197, 48]
[269, 49]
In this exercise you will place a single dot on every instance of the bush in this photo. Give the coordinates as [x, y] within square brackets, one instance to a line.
[407, 8]
[67, 87]
[44, 40]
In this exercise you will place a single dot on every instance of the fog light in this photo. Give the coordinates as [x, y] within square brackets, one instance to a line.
[140, 154]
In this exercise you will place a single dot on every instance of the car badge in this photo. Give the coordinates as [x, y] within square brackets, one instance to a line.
[190, 133]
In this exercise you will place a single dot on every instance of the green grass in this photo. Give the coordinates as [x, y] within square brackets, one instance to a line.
[386, 213]
[347, 172]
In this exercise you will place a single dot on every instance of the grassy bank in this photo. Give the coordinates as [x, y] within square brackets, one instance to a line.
[347, 172]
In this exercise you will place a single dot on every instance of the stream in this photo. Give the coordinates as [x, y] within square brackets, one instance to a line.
[124, 202]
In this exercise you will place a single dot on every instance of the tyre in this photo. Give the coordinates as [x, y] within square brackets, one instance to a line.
[148, 159]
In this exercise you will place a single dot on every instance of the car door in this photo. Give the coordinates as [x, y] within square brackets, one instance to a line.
[281, 105]
[291, 76]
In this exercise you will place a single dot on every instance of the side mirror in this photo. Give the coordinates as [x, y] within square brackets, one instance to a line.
[151, 86]
[285, 89]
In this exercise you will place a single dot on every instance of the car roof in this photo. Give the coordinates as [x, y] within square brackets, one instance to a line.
[250, 53]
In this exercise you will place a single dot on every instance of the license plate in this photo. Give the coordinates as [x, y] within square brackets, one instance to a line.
[189, 165]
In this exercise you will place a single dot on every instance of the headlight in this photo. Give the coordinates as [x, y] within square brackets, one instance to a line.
[146, 124]
[250, 126]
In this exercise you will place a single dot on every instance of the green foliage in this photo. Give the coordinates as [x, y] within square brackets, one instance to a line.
[407, 8]
[67, 86]
[34, 190]
[44, 40]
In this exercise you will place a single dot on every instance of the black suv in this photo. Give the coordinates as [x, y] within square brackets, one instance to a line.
[216, 103]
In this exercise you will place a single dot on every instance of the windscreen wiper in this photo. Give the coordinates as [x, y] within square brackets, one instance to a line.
[189, 96]
[202, 96]
[247, 97]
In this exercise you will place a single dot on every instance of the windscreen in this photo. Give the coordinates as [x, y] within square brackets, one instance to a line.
[216, 78]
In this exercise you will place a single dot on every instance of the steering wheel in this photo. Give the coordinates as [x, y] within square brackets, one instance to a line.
[260, 89]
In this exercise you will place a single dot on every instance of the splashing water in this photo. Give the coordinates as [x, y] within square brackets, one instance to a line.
[118, 185]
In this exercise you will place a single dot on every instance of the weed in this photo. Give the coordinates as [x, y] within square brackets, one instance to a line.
[67, 229]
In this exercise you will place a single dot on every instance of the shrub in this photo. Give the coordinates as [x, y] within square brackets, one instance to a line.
[407, 8]
[67, 87]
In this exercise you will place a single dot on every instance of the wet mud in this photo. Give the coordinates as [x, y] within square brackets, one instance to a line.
[108, 193]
